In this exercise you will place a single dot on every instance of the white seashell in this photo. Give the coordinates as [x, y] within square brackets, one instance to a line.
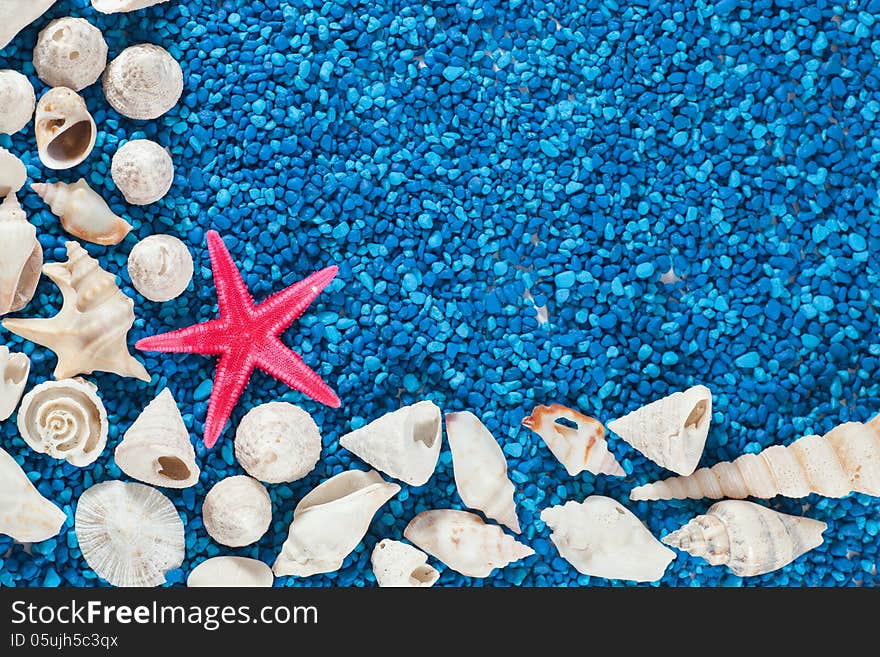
[89, 333]
[237, 511]
[480, 469]
[231, 571]
[843, 461]
[70, 52]
[65, 130]
[66, 420]
[143, 82]
[746, 537]
[464, 542]
[121, 6]
[25, 514]
[160, 267]
[130, 534]
[602, 538]
[17, 101]
[13, 173]
[404, 444]
[143, 171]
[83, 213]
[578, 449]
[14, 370]
[156, 449]
[670, 431]
[278, 442]
[18, 14]
[330, 521]
[21, 257]
[397, 564]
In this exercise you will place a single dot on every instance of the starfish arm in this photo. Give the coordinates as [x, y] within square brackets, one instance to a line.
[281, 309]
[285, 365]
[196, 339]
[233, 297]
[233, 373]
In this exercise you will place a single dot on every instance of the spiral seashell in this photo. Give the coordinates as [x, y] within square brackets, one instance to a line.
[399, 565]
[237, 511]
[278, 442]
[123, 6]
[231, 571]
[83, 213]
[12, 173]
[160, 267]
[18, 14]
[143, 171]
[21, 257]
[843, 461]
[25, 514]
[143, 82]
[17, 102]
[65, 130]
[70, 52]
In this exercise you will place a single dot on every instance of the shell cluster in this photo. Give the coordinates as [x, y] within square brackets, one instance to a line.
[143, 171]
[70, 52]
[17, 101]
[160, 267]
[143, 82]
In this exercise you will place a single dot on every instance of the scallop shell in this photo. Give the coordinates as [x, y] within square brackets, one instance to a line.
[70, 52]
[130, 534]
[17, 101]
[122, 6]
[160, 267]
[237, 511]
[12, 173]
[278, 442]
[18, 14]
[65, 130]
[231, 571]
[143, 171]
[25, 514]
[21, 257]
[143, 82]
[397, 564]
[83, 213]
[14, 371]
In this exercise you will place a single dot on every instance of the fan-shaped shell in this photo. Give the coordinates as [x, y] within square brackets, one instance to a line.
[70, 52]
[231, 571]
[21, 257]
[278, 442]
[14, 370]
[237, 511]
[123, 6]
[18, 14]
[65, 130]
[397, 564]
[17, 101]
[160, 267]
[143, 171]
[25, 514]
[83, 212]
[143, 82]
[12, 173]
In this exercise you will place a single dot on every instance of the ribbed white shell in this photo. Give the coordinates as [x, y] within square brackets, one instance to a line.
[237, 511]
[143, 171]
[143, 82]
[278, 442]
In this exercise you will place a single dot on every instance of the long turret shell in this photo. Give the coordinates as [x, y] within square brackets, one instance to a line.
[143, 82]
[231, 571]
[17, 101]
[70, 52]
[25, 515]
[65, 130]
[13, 173]
[83, 213]
[14, 370]
[397, 564]
[21, 257]
[122, 6]
[18, 14]
[747, 538]
[143, 171]
[160, 267]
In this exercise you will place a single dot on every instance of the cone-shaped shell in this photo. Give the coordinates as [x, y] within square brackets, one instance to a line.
[83, 212]
[480, 469]
[748, 538]
[17, 101]
[21, 257]
[397, 564]
[670, 431]
[143, 82]
[14, 370]
[330, 521]
[70, 52]
[18, 14]
[13, 173]
[156, 448]
[123, 6]
[25, 515]
[65, 130]
[231, 571]
[404, 444]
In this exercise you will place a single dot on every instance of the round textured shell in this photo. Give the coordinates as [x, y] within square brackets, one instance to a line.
[70, 52]
[237, 511]
[143, 82]
[143, 171]
[160, 267]
[278, 442]
[17, 101]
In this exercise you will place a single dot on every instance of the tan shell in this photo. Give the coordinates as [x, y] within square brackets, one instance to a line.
[231, 571]
[70, 52]
[21, 257]
[122, 6]
[13, 173]
[18, 14]
[278, 442]
[143, 171]
[25, 514]
[65, 130]
[143, 82]
[160, 267]
[14, 371]
[397, 564]
[237, 511]
[83, 212]
[17, 101]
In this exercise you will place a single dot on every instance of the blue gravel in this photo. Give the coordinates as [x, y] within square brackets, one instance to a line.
[502, 184]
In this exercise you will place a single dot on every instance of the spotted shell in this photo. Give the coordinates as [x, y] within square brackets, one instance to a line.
[143, 171]
[70, 52]
[143, 82]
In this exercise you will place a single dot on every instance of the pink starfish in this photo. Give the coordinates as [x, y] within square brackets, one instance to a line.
[246, 336]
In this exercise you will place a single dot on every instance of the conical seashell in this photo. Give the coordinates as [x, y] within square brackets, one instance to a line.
[843, 461]
[25, 515]
[130, 534]
[747, 538]
[121, 6]
[237, 511]
[231, 571]
[480, 469]
[18, 14]
[65, 130]
[14, 370]
[277, 442]
[66, 420]
[464, 542]
[157, 449]
[578, 449]
[330, 521]
[143, 171]
[160, 267]
[12, 173]
[83, 213]
[397, 564]
[90, 332]
[21, 257]
[17, 101]
[602, 538]
[70, 52]
[404, 444]
[143, 82]
[670, 431]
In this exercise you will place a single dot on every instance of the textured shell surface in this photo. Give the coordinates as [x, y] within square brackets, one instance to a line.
[278, 442]
[130, 534]
[237, 511]
[404, 444]
[121, 6]
[399, 565]
[143, 171]
[156, 449]
[21, 257]
[18, 14]
[671, 431]
[13, 173]
[25, 514]
[578, 448]
[143, 82]
[480, 469]
[464, 542]
[70, 52]
[231, 571]
[65, 130]
[160, 267]
[83, 212]
[330, 521]
[602, 538]
[748, 538]
[90, 331]
[17, 101]
[14, 371]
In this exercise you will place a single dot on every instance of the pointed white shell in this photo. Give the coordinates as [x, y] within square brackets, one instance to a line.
[397, 564]
[601, 538]
[14, 370]
[156, 449]
[143, 171]
[404, 444]
[160, 267]
[480, 469]
[65, 130]
[21, 257]
[17, 101]
[330, 521]
[130, 534]
[18, 14]
[13, 173]
[25, 514]
[237, 511]
[70, 52]
[670, 431]
[143, 82]
[231, 571]
[278, 442]
[122, 6]
[83, 212]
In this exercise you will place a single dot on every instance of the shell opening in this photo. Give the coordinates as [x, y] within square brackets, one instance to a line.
[426, 428]
[566, 422]
[173, 468]
[421, 575]
[698, 414]
[70, 144]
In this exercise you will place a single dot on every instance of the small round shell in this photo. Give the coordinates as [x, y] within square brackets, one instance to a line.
[278, 442]
[237, 511]
[17, 102]
[70, 52]
[143, 171]
[143, 82]
[160, 267]
[65, 130]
